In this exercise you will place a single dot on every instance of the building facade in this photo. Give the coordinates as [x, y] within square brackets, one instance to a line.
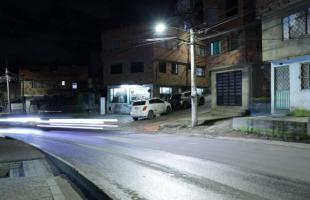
[233, 35]
[48, 87]
[138, 65]
[286, 45]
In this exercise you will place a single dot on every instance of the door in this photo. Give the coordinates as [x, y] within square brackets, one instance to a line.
[282, 88]
[229, 88]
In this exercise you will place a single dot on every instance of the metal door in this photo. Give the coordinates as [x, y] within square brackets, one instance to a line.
[282, 88]
[229, 88]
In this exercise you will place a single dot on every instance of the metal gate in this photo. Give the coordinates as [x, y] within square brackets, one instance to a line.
[282, 88]
[229, 88]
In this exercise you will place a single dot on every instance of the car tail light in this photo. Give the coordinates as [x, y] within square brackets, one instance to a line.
[144, 108]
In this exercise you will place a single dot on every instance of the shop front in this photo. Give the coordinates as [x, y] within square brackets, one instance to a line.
[120, 97]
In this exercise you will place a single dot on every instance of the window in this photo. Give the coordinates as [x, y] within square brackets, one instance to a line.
[137, 67]
[201, 51]
[45, 84]
[305, 76]
[116, 44]
[138, 103]
[212, 16]
[233, 42]
[174, 68]
[165, 92]
[216, 48]
[153, 101]
[116, 69]
[200, 71]
[63, 83]
[294, 26]
[118, 95]
[74, 85]
[162, 67]
[231, 8]
[200, 91]
[34, 69]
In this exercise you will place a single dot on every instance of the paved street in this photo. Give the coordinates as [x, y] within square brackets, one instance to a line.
[144, 166]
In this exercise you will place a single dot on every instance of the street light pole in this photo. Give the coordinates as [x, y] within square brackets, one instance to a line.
[8, 88]
[160, 28]
[193, 79]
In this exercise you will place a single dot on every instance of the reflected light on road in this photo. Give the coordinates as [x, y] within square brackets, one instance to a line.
[69, 123]
[24, 131]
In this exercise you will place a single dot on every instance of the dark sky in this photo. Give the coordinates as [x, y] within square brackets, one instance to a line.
[66, 31]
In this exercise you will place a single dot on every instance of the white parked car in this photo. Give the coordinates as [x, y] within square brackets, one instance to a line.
[149, 108]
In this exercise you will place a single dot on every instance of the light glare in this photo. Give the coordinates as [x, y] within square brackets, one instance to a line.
[160, 28]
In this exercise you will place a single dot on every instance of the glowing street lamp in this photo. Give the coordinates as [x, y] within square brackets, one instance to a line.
[161, 28]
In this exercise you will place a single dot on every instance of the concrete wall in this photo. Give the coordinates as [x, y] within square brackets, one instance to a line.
[299, 98]
[274, 47]
[273, 127]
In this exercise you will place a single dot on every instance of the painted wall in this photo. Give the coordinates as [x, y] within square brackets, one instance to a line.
[299, 98]
[274, 47]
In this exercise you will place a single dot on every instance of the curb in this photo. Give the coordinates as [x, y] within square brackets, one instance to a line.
[88, 188]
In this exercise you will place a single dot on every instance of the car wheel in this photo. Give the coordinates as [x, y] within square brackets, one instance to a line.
[201, 101]
[150, 115]
[168, 110]
[135, 118]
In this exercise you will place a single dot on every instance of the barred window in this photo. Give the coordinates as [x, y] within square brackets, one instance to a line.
[216, 48]
[294, 25]
[305, 76]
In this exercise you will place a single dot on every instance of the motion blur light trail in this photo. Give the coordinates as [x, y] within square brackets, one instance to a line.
[78, 123]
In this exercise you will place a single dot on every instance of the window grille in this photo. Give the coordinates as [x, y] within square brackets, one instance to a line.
[305, 76]
[296, 25]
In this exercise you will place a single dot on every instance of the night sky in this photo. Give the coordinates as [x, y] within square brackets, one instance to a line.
[66, 31]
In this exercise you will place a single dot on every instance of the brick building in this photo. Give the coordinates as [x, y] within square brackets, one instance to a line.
[138, 66]
[43, 84]
[286, 45]
[233, 36]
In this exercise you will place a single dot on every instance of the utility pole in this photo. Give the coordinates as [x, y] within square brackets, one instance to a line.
[8, 87]
[193, 79]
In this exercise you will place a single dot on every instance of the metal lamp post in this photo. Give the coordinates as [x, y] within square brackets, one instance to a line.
[160, 28]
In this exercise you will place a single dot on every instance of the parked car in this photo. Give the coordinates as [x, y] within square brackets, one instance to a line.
[175, 101]
[185, 100]
[149, 108]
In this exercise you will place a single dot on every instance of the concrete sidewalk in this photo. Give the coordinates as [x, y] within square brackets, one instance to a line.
[26, 174]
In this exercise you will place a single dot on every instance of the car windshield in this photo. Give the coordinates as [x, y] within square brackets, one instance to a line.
[138, 103]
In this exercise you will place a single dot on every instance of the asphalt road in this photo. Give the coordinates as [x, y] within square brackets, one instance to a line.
[141, 166]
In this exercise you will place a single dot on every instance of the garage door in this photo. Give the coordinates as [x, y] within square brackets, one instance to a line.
[229, 88]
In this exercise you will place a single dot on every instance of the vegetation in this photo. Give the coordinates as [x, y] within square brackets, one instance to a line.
[300, 113]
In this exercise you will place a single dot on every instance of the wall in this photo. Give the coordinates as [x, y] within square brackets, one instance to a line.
[54, 75]
[132, 48]
[298, 98]
[274, 47]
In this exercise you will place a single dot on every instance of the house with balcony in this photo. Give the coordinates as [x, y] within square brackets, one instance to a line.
[139, 64]
[233, 36]
[286, 45]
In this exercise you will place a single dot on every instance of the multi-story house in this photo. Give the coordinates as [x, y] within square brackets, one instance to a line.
[233, 36]
[138, 65]
[42, 84]
[286, 45]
